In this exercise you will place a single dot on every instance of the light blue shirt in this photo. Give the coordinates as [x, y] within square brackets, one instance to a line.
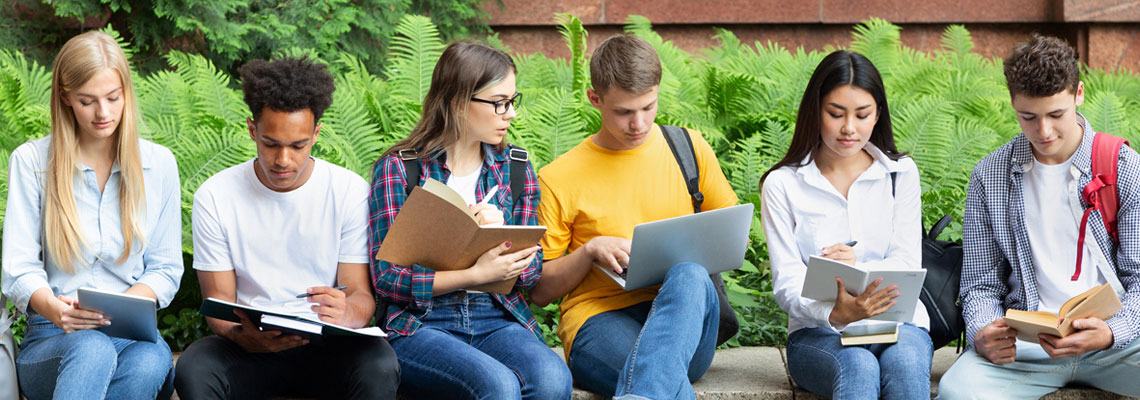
[156, 260]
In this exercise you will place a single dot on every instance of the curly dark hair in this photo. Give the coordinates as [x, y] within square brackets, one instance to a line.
[1042, 67]
[288, 84]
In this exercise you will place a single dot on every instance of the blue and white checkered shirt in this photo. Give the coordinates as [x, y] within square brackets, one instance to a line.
[997, 269]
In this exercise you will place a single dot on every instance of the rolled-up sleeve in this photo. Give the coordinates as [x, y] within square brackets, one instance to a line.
[162, 260]
[23, 271]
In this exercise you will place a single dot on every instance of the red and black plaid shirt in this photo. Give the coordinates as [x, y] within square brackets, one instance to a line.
[407, 289]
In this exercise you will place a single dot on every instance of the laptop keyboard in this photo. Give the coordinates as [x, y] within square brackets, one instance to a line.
[624, 272]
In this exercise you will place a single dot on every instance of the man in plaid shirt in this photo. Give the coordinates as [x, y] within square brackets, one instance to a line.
[1023, 212]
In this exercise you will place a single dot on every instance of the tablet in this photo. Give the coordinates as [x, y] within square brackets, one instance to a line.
[132, 317]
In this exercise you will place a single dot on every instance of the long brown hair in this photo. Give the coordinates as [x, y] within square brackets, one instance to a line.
[80, 59]
[839, 68]
[464, 68]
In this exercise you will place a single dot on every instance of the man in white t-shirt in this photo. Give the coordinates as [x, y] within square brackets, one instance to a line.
[275, 228]
[1020, 237]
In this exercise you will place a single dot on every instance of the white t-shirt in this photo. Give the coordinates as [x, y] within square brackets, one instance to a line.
[280, 244]
[465, 185]
[1053, 226]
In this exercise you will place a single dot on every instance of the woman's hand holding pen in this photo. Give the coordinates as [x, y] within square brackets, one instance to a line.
[485, 212]
[496, 266]
[330, 301]
[842, 252]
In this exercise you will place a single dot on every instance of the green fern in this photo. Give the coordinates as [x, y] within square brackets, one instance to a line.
[550, 125]
[415, 49]
[574, 34]
[879, 40]
[25, 92]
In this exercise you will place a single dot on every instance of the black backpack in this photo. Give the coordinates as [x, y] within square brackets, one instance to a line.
[942, 261]
[682, 146]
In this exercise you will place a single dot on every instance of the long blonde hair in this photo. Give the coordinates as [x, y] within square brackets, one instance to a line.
[80, 59]
[464, 68]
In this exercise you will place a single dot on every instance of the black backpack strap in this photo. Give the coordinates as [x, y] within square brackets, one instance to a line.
[519, 157]
[894, 179]
[411, 159]
[682, 146]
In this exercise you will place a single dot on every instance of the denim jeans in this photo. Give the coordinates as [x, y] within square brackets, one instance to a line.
[821, 365]
[471, 347]
[651, 350]
[1033, 376]
[88, 364]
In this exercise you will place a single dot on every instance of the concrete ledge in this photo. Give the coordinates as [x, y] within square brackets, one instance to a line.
[761, 373]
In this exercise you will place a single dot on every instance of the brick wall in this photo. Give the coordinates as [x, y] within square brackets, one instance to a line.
[1106, 33]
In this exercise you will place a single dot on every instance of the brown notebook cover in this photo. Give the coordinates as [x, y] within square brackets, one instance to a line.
[1100, 302]
[436, 230]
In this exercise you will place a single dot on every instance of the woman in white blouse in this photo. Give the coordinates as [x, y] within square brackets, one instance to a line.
[90, 205]
[843, 181]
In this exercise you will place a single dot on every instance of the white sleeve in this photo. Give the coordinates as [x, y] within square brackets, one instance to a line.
[354, 229]
[211, 249]
[905, 249]
[23, 272]
[788, 268]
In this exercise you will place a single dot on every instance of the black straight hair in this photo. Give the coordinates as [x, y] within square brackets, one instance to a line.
[839, 68]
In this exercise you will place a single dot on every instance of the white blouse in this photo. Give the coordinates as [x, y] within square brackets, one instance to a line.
[802, 213]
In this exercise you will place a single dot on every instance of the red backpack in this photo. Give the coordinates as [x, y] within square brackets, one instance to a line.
[1100, 192]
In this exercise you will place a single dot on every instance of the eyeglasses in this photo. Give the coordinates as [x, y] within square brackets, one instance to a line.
[501, 106]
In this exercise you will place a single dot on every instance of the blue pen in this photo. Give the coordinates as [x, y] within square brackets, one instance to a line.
[851, 243]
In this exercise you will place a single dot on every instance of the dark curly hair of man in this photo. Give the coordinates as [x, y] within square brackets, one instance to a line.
[1042, 67]
[287, 85]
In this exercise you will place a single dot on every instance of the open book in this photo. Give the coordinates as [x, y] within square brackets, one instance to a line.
[1100, 302]
[819, 284]
[870, 333]
[437, 230]
[309, 327]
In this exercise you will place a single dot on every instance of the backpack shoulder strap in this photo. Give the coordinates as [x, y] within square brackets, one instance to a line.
[1105, 157]
[411, 159]
[682, 146]
[519, 158]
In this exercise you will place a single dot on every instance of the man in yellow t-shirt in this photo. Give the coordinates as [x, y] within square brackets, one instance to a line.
[646, 343]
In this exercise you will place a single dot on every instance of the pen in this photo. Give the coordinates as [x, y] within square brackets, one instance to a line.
[487, 197]
[851, 243]
[304, 295]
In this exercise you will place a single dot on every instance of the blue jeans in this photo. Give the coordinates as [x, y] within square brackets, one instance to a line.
[88, 364]
[651, 350]
[471, 347]
[821, 365]
[1035, 375]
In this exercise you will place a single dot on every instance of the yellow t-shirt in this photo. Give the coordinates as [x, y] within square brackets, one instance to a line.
[591, 191]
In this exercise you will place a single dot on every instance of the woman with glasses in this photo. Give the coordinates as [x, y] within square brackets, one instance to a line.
[452, 341]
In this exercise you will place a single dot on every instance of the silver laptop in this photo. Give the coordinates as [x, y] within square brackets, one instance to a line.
[714, 239]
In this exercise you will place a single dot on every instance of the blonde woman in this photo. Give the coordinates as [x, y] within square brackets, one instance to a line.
[90, 205]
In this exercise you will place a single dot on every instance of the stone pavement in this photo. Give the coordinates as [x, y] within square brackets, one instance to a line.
[761, 373]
